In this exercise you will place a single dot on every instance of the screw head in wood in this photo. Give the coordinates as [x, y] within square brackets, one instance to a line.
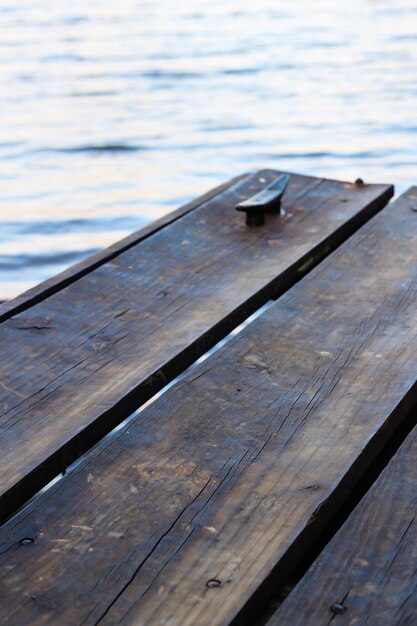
[213, 583]
[27, 541]
[338, 608]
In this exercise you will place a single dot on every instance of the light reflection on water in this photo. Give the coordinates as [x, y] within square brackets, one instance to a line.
[113, 113]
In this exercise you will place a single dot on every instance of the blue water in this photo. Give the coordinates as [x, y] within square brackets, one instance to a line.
[115, 112]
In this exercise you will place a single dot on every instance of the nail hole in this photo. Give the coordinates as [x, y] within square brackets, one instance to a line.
[213, 582]
[27, 541]
[338, 608]
[313, 487]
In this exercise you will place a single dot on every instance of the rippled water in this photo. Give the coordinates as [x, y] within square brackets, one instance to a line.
[113, 113]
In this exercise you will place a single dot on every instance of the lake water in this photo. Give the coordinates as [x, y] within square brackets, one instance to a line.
[115, 112]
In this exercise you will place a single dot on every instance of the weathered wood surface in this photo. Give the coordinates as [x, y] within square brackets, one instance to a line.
[369, 568]
[63, 279]
[180, 517]
[78, 362]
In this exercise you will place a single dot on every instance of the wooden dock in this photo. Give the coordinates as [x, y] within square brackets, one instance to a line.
[219, 503]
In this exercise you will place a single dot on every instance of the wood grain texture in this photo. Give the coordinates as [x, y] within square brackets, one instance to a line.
[180, 517]
[369, 567]
[78, 362]
[50, 286]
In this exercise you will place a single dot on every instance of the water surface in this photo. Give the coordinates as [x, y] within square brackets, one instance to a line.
[115, 112]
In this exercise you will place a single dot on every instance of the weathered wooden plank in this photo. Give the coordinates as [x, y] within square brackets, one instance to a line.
[367, 574]
[180, 517]
[63, 279]
[78, 362]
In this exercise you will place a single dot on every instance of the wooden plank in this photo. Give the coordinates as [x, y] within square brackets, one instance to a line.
[78, 362]
[367, 574]
[63, 279]
[222, 485]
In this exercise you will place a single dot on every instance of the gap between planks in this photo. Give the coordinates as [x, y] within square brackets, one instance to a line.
[363, 421]
[262, 607]
[87, 412]
[368, 566]
[107, 439]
